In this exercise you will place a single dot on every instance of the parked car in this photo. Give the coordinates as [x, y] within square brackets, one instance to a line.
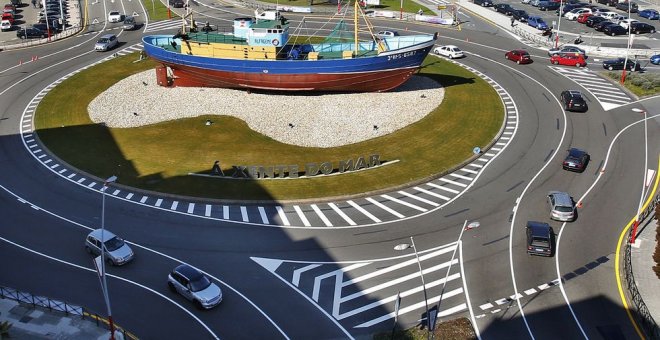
[9, 17]
[537, 22]
[561, 206]
[625, 22]
[114, 16]
[527, 2]
[194, 286]
[573, 101]
[106, 42]
[593, 20]
[624, 6]
[567, 49]
[567, 8]
[386, 34]
[449, 51]
[576, 160]
[609, 15]
[601, 25]
[45, 28]
[28, 33]
[129, 23]
[520, 15]
[582, 18]
[655, 59]
[177, 3]
[116, 251]
[568, 59]
[642, 27]
[539, 238]
[549, 6]
[484, 3]
[618, 64]
[650, 14]
[519, 56]
[504, 8]
[573, 14]
[5, 25]
[614, 30]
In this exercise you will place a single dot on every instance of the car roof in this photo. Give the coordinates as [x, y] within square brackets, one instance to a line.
[107, 235]
[562, 198]
[188, 272]
[575, 152]
[538, 228]
[107, 36]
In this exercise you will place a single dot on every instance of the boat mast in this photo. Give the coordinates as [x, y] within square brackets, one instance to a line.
[355, 27]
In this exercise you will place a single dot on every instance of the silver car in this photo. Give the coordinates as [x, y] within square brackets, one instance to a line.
[194, 286]
[129, 23]
[117, 252]
[106, 42]
[561, 206]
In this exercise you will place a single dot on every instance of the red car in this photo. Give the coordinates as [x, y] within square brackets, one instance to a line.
[519, 56]
[568, 59]
[582, 18]
[9, 17]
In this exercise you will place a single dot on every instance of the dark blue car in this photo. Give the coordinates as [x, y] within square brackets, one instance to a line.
[537, 22]
[655, 59]
[650, 14]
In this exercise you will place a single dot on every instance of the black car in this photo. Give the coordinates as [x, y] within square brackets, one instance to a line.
[504, 8]
[641, 27]
[520, 15]
[576, 160]
[484, 3]
[539, 238]
[177, 3]
[549, 6]
[573, 101]
[614, 30]
[45, 28]
[617, 64]
[593, 20]
[601, 25]
[567, 8]
[624, 6]
[28, 33]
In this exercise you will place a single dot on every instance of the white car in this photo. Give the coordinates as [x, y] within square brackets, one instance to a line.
[574, 14]
[625, 23]
[114, 16]
[525, 1]
[386, 34]
[449, 51]
[608, 15]
[5, 25]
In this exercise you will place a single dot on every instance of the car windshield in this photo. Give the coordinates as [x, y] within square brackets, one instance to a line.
[114, 244]
[199, 283]
[562, 208]
[103, 41]
[540, 242]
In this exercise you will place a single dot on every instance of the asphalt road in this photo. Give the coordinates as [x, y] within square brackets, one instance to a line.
[342, 282]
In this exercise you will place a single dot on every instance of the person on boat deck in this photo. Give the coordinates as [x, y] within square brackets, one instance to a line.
[295, 53]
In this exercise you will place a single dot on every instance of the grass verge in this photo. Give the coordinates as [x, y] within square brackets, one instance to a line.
[641, 84]
[457, 329]
[159, 157]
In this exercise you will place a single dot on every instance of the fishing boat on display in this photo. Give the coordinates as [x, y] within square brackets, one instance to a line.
[260, 53]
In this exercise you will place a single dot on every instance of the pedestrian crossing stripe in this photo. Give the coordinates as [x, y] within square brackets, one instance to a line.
[607, 95]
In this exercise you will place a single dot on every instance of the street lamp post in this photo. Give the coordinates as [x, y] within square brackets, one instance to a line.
[104, 282]
[401, 11]
[404, 246]
[561, 10]
[630, 39]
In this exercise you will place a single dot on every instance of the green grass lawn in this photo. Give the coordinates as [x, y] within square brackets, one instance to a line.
[159, 157]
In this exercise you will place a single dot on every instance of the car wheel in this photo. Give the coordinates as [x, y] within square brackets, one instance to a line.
[88, 250]
[198, 304]
[171, 286]
[556, 62]
[518, 62]
[109, 262]
[610, 68]
[613, 34]
[578, 65]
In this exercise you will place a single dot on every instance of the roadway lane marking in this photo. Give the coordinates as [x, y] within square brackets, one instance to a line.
[486, 306]
[129, 196]
[264, 217]
[339, 272]
[144, 199]
[71, 175]
[244, 214]
[442, 187]
[114, 193]
[48, 161]
[159, 202]
[454, 182]
[530, 291]
[341, 213]
[296, 273]
[302, 216]
[175, 204]
[282, 215]
[384, 207]
[431, 193]
[225, 212]
[321, 215]
[402, 202]
[470, 171]
[191, 208]
[207, 212]
[362, 210]
[81, 180]
[91, 184]
[418, 305]
[478, 165]
[415, 197]
[462, 177]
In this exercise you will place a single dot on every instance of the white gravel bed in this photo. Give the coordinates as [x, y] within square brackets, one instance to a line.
[326, 120]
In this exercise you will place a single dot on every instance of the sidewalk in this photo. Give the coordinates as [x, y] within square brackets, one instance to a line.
[40, 323]
[642, 264]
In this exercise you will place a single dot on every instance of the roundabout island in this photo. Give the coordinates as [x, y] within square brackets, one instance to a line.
[178, 140]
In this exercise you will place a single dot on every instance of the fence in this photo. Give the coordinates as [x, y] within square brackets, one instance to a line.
[60, 306]
[649, 325]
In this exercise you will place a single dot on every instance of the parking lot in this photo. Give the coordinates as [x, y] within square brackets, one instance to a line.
[26, 14]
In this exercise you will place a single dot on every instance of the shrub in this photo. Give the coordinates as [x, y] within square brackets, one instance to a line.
[647, 85]
[637, 81]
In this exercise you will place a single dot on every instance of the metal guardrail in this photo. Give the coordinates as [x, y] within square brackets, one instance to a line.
[649, 325]
[60, 306]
